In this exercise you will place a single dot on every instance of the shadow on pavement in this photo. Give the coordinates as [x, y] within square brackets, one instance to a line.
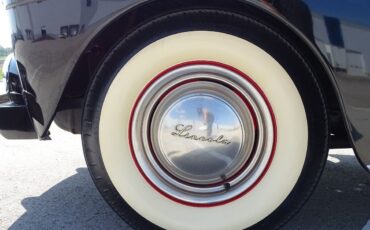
[341, 201]
[74, 203]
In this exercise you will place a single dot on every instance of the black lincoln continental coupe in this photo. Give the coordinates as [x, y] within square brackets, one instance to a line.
[196, 114]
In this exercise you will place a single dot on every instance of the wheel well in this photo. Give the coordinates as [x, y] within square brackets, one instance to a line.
[70, 106]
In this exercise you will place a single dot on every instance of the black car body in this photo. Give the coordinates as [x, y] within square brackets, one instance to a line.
[57, 54]
[59, 45]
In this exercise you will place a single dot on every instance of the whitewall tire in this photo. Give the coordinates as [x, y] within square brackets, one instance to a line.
[118, 115]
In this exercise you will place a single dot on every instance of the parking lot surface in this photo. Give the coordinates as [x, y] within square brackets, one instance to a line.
[45, 185]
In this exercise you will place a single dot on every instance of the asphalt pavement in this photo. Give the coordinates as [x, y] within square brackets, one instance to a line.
[46, 185]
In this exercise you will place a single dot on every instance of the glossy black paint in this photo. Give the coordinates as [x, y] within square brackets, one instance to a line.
[13, 81]
[340, 30]
[59, 44]
[15, 122]
[342, 34]
[48, 38]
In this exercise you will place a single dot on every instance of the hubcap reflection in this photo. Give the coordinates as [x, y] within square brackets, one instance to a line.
[202, 133]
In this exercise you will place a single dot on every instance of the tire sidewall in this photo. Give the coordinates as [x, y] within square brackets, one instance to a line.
[270, 42]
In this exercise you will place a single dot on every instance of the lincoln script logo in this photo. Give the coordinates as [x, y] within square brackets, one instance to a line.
[184, 131]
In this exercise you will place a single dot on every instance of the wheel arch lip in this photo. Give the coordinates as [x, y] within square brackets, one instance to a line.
[266, 8]
[99, 30]
[38, 90]
[360, 152]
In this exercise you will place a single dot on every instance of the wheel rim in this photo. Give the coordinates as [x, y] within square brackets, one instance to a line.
[202, 133]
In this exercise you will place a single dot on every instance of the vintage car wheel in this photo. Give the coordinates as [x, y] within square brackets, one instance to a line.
[205, 119]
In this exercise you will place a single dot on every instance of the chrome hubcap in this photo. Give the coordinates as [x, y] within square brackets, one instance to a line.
[198, 135]
[202, 134]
